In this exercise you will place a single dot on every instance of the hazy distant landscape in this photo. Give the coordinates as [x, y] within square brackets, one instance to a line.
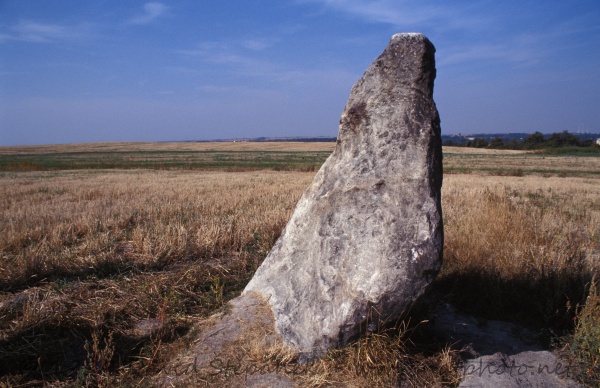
[110, 252]
[281, 156]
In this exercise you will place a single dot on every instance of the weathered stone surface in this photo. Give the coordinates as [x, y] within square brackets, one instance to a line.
[526, 369]
[266, 380]
[366, 237]
[223, 347]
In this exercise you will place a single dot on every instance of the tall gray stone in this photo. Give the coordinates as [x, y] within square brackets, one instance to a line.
[366, 237]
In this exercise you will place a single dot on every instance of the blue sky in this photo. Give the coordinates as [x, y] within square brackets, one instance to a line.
[108, 70]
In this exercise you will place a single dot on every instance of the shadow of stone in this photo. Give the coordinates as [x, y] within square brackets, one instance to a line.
[46, 352]
[504, 327]
[50, 351]
[102, 269]
[542, 302]
[478, 336]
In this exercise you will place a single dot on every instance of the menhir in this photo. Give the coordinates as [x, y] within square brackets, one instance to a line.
[366, 237]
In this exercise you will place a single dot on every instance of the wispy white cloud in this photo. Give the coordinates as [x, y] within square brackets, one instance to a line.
[184, 70]
[250, 68]
[229, 52]
[259, 44]
[386, 11]
[215, 53]
[242, 53]
[523, 54]
[410, 13]
[35, 32]
[152, 11]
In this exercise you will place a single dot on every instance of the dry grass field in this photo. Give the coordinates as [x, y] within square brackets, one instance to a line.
[104, 271]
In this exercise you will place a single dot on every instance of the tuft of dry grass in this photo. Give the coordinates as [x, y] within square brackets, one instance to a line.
[384, 359]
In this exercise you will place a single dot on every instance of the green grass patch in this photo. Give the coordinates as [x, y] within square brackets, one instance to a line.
[571, 151]
[584, 344]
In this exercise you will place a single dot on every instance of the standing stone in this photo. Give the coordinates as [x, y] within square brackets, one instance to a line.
[366, 237]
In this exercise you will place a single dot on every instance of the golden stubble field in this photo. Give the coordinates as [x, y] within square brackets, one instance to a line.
[103, 272]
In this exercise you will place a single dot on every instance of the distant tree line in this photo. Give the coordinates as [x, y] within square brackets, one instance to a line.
[535, 141]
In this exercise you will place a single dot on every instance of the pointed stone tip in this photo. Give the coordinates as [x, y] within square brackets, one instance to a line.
[404, 35]
[411, 38]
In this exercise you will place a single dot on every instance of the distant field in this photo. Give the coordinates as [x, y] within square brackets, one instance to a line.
[170, 147]
[225, 156]
[510, 162]
[277, 156]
